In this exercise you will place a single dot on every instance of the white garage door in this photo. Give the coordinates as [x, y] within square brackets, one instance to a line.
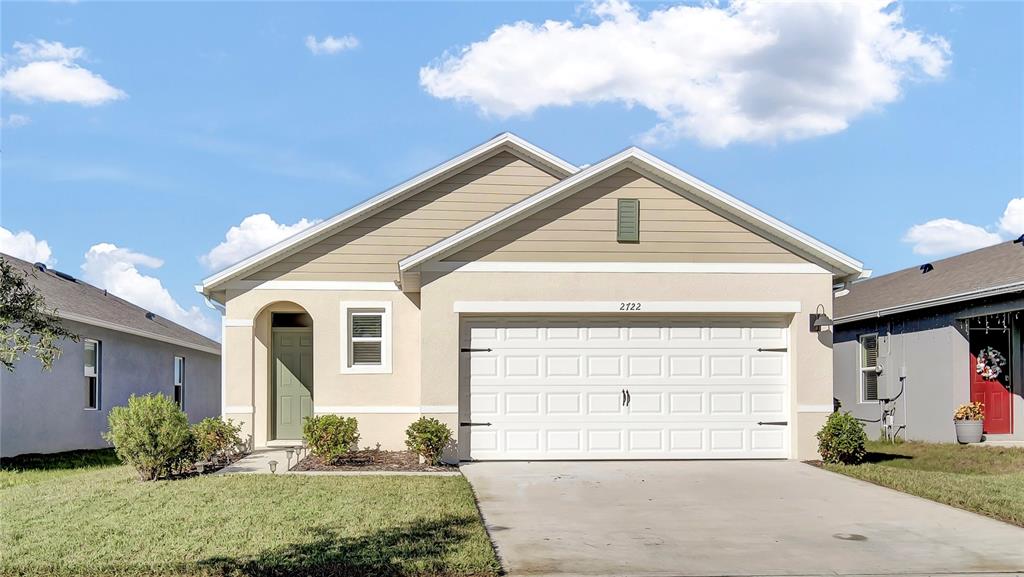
[626, 388]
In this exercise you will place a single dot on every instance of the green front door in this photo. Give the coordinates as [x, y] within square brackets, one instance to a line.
[293, 381]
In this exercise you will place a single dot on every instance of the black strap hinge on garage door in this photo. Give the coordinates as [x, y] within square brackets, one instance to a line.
[474, 424]
[474, 350]
[775, 350]
[780, 423]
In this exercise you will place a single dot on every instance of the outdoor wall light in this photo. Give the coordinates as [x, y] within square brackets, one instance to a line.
[273, 467]
[819, 320]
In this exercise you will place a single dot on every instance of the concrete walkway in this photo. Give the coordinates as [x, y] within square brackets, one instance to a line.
[725, 518]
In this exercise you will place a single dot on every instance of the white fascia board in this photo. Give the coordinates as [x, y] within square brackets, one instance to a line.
[644, 161]
[695, 307]
[629, 267]
[137, 332]
[928, 303]
[314, 285]
[361, 210]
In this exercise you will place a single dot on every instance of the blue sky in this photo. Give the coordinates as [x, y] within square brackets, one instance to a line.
[214, 112]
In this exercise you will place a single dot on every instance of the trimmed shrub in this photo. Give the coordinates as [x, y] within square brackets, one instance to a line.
[331, 437]
[151, 434]
[427, 437]
[841, 440]
[215, 438]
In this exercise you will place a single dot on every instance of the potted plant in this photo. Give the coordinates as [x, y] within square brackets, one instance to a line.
[967, 419]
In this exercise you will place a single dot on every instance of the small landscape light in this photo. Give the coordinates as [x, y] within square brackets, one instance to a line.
[200, 467]
[273, 467]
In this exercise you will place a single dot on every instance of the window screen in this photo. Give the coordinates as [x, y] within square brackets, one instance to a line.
[179, 381]
[92, 374]
[366, 332]
[868, 364]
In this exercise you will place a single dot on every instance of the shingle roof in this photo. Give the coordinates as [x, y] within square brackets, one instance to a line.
[80, 301]
[956, 278]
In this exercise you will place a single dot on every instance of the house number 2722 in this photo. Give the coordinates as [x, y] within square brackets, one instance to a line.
[629, 306]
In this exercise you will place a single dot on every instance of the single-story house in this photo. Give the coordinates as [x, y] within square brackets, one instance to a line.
[912, 346]
[528, 303]
[123, 350]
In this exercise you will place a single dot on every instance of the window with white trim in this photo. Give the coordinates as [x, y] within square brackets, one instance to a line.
[179, 382]
[92, 373]
[868, 368]
[366, 347]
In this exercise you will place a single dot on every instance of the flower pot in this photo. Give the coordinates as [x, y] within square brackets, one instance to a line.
[968, 431]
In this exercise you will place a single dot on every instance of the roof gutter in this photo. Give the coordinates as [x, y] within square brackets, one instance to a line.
[137, 332]
[950, 299]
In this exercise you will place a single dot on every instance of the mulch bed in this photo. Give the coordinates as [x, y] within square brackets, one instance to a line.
[372, 460]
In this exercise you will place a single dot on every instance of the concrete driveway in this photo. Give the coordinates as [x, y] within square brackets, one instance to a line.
[725, 518]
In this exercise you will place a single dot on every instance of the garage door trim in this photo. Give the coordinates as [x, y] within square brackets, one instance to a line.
[576, 307]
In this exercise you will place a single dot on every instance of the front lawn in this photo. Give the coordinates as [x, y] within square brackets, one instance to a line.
[986, 480]
[102, 521]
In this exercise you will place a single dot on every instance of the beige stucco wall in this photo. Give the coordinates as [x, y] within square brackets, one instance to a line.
[392, 400]
[811, 354]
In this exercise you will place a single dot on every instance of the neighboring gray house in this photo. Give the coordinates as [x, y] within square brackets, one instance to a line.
[124, 350]
[919, 342]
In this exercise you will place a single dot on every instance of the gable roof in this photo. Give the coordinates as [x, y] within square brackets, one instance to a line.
[647, 164]
[989, 271]
[77, 300]
[504, 141]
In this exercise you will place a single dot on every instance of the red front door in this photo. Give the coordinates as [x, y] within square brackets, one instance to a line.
[995, 395]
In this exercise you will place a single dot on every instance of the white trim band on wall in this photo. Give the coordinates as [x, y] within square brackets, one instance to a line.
[315, 285]
[386, 410]
[237, 322]
[628, 267]
[238, 410]
[815, 408]
[638, 306]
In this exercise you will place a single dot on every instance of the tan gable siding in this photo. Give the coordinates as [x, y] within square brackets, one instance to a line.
[581, 228]
[370, 249]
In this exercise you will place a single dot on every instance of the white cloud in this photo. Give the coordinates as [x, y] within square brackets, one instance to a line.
[255, 233]
[48, 71]
[117, 270]
[946, 236]
[24, 245]
[330, 44]
[14, 121]
[748, 71]
[1012, 221]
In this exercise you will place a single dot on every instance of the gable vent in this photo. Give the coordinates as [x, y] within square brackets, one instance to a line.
[628, 220]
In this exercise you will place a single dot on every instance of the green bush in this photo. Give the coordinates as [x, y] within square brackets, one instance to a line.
[428, 438]
[151, 434]
[215, 438]
[331, 437]
[842, 440]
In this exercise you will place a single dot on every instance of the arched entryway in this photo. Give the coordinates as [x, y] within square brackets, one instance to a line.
[290, 376]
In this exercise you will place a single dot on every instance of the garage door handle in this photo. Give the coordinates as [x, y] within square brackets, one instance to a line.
[474, 424]
[780, 423]
[775, 350]
[623, 397]
[629, 398]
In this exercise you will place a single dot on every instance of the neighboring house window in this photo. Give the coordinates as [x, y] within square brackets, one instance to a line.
[868, 368]
[92, 374]
[366, 347]
[179, 381]
[628, 228]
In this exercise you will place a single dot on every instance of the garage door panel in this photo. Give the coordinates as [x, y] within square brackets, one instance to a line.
[698, 388]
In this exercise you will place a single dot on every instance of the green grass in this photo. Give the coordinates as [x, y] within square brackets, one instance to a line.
[986, 480]
[100, 521]
[26, 469]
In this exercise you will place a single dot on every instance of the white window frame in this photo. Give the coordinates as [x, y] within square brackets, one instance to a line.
[861, 370]
[347, 309]
[179, 384]
[96, 374]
